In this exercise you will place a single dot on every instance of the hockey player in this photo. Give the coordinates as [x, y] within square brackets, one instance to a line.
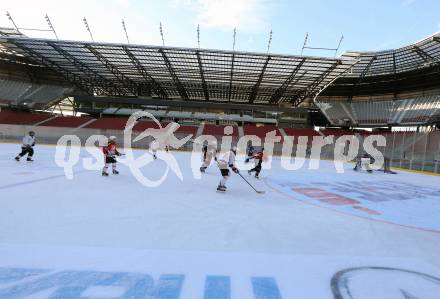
[27, 147]
[110, 153]
[250, 153]
[364, 162]
[258, 159]
[224, 163]
[208, 152]
[154, 146]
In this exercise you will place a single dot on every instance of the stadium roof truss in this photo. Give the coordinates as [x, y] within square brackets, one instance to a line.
[422, 54]
[183, 73]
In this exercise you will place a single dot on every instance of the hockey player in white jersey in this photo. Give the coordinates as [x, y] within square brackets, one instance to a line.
[364, 162]
[209, 152]
[226, 161]
[154, 146]
[27, 147]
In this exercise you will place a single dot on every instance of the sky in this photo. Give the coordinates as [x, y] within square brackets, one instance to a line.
[367, 25]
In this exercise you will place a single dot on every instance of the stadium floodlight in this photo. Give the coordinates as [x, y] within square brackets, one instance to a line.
[305, 43]
[161, 33]
[198, 36]
[12, 21]
[19, 28]
[50, 25]
[339, 44]
[270, 41]
[125, 30]
[88, 28]
[306, 39]
[233, 42]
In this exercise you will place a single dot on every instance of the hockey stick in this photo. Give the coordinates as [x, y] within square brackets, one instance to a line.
[258, 191]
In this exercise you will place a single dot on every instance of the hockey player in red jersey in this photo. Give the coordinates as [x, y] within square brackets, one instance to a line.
[110, 153]
[258, 159]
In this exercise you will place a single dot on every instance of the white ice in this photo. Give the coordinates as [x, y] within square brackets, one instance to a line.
[115, 224]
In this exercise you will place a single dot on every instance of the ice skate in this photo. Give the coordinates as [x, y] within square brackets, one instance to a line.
[221, 188]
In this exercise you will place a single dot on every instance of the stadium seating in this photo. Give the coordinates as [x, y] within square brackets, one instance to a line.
[108, 123]
[66, 121]
[337, 132]
[372, 112]
[411, 110]
[22, 118]
[12, 90]
[210, 129]
[300, 132]
[421, 109]
[19, 92]
[334, 110]
[341, 132]
[143, 125]
[261, 131]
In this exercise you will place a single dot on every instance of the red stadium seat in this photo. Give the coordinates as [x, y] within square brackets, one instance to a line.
[22, 118]
[300, 132]
[67, 121]
[108, 123]
[218, 130]
[261, 131]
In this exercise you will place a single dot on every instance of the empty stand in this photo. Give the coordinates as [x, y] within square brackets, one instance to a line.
[261, 131]
[13, 90]
[22, 118]
[66, 121]
[300, 132]
[187, 130]
[372, 112]
[108, 123]
[218, 130]
[406, 111]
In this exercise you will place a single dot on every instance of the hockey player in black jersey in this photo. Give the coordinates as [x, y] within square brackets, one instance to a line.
[250, 153]
[258, 158]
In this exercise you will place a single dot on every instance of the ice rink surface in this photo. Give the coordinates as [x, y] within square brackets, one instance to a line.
[313, 234]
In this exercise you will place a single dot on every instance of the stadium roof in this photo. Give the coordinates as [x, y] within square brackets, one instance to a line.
[422, 54]
[182, 73]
